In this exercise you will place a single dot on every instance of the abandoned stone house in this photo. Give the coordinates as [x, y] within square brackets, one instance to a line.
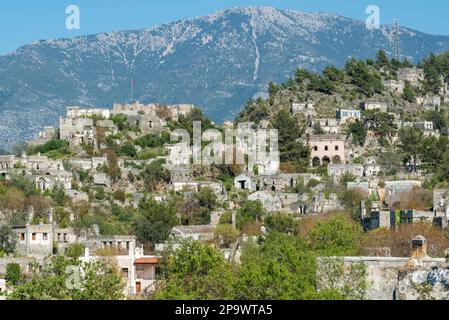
[302, 207]
[327, 149]
[44, 239]
[6, 164]
[35, 239]
[394, 278]
[204, 233]
[322, 203]
[288, 198]
[348, 115]
[197, 233]
[395, 189]
[306, 203]
[45, 135]
[180, 174]
[430, 102]
[336, 171]
[441, 202]
[370, 186]
[92, 164]
[76, 195]
[78, 125]
[374, 105]
[394, 86]
[77, 112]
[31, 164]
[38, 164]
[264, 163]
[307, 109]
[133, 109]
[107, 124]
[262, 124]
[294, 203]
[44, 172]
[25, 263]
[427, 127]
[245, 181]
[146, 123]
[178, 110]
[196, 186]
[106, 128]
[363, 186]
[271, 202]
[77, 131]
[412, 75]
[153, 109]
[180, 155]
[394, 218]
[101, 179]
[266, 166]
[119, 244]
[371, 167]
[328, 126]
[53, 179]
[276, 183]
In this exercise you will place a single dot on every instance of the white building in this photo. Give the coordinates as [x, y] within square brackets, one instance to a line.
[327, 149]
[348, 115]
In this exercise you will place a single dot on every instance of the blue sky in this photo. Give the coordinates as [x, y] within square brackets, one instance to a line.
[22, 21]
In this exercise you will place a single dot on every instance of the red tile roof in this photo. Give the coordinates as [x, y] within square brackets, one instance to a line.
[146, 261]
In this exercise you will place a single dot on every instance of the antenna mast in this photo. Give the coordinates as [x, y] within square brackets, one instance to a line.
[396, 41]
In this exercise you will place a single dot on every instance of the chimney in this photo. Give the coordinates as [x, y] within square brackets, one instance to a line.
[419, 248]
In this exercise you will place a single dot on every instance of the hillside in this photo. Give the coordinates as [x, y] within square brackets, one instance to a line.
[216, 62]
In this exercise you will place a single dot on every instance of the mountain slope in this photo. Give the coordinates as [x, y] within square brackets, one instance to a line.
[216, 62]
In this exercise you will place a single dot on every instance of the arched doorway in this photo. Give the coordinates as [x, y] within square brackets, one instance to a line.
[42, 184]
[336, 160]
[326, 160]
[316, 162]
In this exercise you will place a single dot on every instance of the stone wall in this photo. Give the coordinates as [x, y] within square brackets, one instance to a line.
[23, 262]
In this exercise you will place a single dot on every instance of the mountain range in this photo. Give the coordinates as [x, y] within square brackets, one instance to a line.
[216, 62]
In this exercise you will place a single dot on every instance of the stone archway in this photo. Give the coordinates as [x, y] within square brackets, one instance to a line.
[42, 184]
[316, 162]
[326, 160]
[336, 160]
